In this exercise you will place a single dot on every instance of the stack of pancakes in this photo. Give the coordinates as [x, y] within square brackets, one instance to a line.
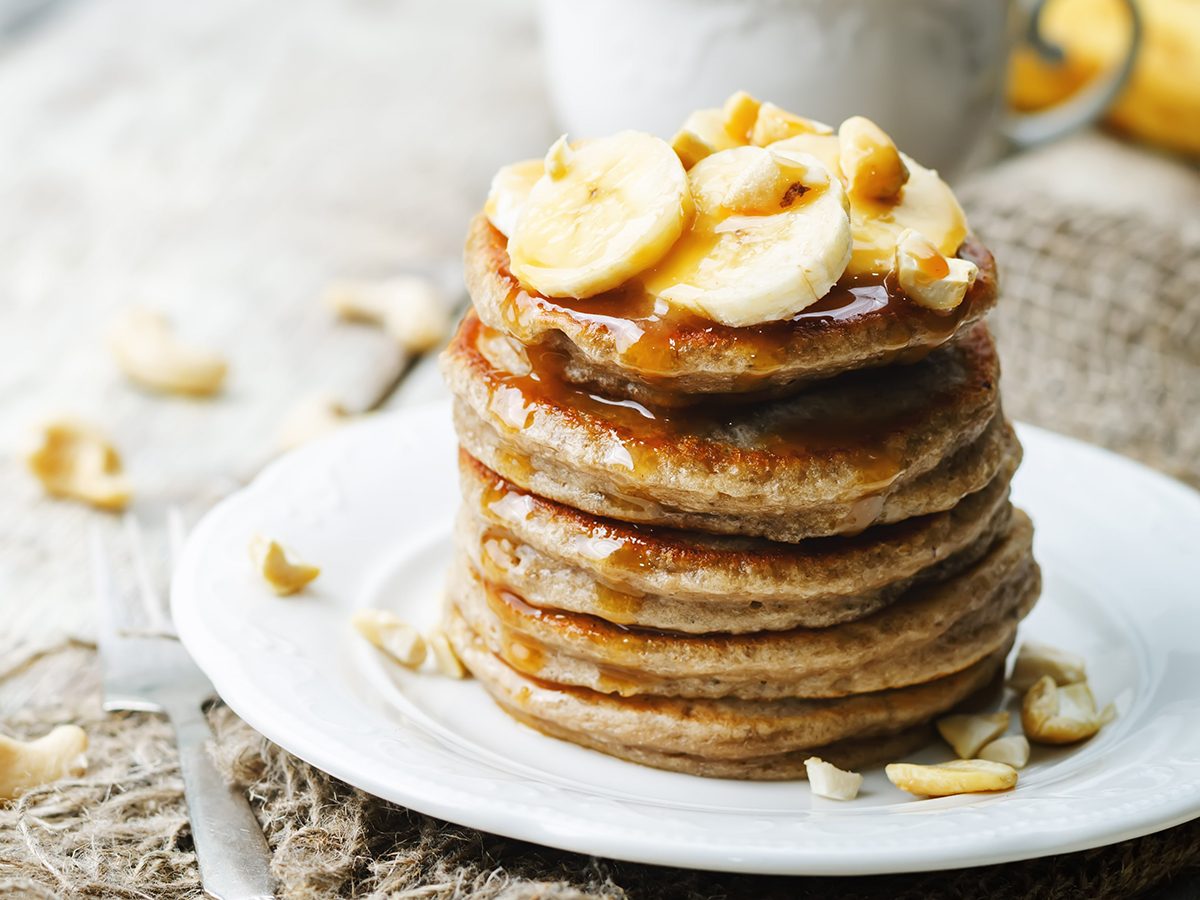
[723, 550]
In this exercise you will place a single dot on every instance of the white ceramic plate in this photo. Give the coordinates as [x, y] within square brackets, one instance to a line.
[373, 503]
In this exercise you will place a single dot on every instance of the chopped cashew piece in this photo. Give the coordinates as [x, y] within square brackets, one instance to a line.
[961, 776]
[447, 660]
[29, 764]
[827, 780]
[870, 161]
[558, 158]
[148, 352]
[739, 114]
[409, 307]
[1012, 751]
[927, 277]
[311, 418]
[967, 733]
[775, 124]
[392, 635]
[690, 147]
[284, 575]
[1061, 715]
[74, 460]
[1035, 660]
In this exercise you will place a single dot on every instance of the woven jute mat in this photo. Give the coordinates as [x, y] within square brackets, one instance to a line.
[1101, 339]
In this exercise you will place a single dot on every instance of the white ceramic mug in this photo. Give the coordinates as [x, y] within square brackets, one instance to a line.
[931, 72]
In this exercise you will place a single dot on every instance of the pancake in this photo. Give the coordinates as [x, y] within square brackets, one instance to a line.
[932, 631]
[873, 447]
[554, 556]
[765, 739]
[625, 345]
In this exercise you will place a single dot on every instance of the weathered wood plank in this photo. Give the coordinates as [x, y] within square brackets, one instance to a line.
[223, 161]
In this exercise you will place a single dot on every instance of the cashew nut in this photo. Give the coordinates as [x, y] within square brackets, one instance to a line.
[447, 660]
[928, 278]
[311, 418]
[738, 115]
[284, 575]
[1012, 751]
[870, 161]
[1035, 660]
[75, 460]
[961, 776]
[1061, 715]
[967, 733]
[29, 764]
[827, 780]
[408, 307]
[392, 635]
[774, 124]
[147, 350]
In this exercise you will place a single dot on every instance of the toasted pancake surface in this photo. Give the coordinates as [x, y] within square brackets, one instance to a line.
[932, 631]
[871, 447]
[738, 738]
[625, 344]
[555, 556]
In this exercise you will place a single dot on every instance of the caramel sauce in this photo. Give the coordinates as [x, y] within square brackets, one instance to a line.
[788, 430]
[527, 654]
[650, 335]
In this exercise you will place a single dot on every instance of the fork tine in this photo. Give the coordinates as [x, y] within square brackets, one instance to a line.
[156, 621]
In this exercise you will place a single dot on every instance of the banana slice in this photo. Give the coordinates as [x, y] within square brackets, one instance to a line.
[771, 236]
[612, 208]
[925, 204]
[509, 191]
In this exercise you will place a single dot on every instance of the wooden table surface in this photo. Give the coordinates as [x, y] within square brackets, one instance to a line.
[222, 161]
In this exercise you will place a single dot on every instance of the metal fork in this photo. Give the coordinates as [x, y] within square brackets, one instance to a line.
[147, 669]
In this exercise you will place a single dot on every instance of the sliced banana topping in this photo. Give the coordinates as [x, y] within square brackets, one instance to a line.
[775, 124]
[594, 214]
[614, 210]
[925, 204]
[771, 237]
[509, 191]
[929, 278]
[708, 131]
[1062, 715]
[870, 162]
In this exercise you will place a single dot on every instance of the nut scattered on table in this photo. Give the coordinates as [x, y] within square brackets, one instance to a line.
[148, 352]
[311, 418]
[74, 460]
[392, 635]
[1051, 714]
[1012, 750]
[408, 307]
[967, 733]
[960, 776]
[285, 576]
[1035, 660]
[827, 780]
[444, 656]
[29, 764]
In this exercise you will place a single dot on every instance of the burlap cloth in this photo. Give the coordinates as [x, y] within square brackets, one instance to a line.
[1101, 339]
